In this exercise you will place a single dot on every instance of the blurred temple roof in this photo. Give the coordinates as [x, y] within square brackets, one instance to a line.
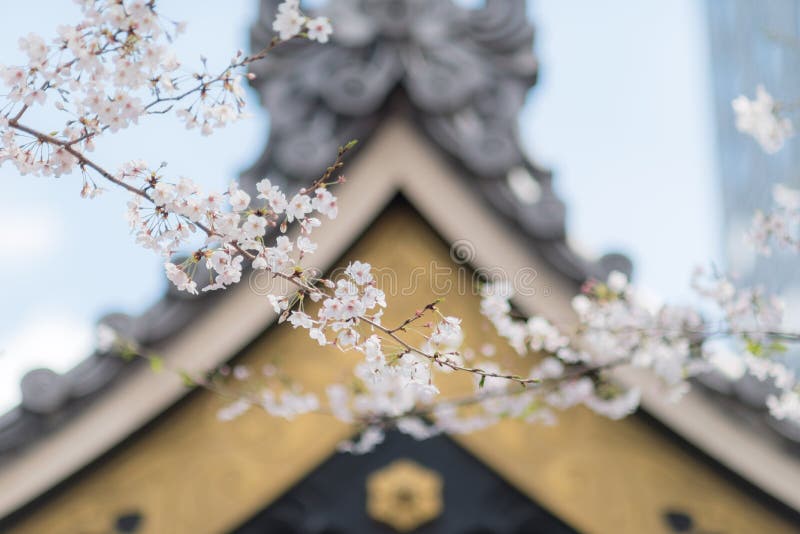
[461, 75]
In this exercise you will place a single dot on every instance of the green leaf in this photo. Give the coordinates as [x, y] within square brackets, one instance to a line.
[777, 346]
[754, 347]
[156, 364]
[127, 353]
[187, 380]
[483, 381]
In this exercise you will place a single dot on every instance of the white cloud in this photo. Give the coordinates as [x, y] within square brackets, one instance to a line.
[33, 235]
[54, 340]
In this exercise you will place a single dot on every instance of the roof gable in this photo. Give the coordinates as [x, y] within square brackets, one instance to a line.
[187, 469]
[210, 331]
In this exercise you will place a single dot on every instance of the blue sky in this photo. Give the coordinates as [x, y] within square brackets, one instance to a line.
[622, 114]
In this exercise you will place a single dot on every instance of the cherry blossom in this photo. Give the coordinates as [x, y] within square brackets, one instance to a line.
[319, 29]
[234, 410]
[780, 227]
[298, 207]
[116, 68]
[760, 118]
[106, 73]
[288, 21]
[178, 276]
[785, 406]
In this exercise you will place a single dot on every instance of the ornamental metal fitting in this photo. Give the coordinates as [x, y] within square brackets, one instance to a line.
[404, 495]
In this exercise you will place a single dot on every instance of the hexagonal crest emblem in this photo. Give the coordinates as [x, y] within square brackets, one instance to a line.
[404, 495]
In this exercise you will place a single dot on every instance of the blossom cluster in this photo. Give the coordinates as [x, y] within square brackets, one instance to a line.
[619, 324]
[576, 364]
[108, 71]
[235, 226]
[748, 311]
[289, 22]
[97, 72]
[396, 379]
[273, 394]
[780, 227]
[392, 380]
[761, 119]
[755, 319]
[116, 66]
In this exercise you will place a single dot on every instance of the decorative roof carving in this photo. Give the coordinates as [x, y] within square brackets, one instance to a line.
[465, 72]
[462, 75]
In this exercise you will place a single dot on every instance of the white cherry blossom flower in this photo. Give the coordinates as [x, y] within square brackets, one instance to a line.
[255, 226]
[300, 319]
[298, 207]
[305, 245]
[325, 203]
[272, 194]
[233, 410]
[260, 263]
[617, 281]
[318, 335]
[278, 303]
[288, 22]
[785, 406]
[179, 277]
[616, 407]
[319, 29]
[760, 119]
[163, 193]
[359, 272]
[241, 372]
[238, 199]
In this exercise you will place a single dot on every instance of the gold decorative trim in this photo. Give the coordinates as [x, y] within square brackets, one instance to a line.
[404, 495]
